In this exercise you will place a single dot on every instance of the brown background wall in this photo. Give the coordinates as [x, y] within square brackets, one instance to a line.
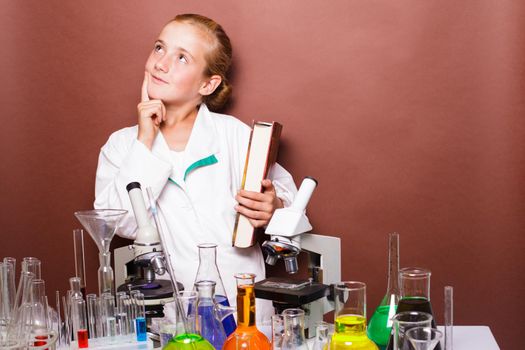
[408, 112]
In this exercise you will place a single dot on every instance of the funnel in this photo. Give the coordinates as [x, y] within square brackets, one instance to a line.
[424, 338]
[101, 224]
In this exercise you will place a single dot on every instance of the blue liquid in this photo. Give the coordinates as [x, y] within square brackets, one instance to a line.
[141, 328]
[229, 322]
[211, 329]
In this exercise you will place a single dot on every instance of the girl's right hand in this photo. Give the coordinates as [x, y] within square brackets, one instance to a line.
[151, 114]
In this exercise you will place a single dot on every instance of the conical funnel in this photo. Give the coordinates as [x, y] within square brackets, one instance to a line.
[424, 338]
[101, 224]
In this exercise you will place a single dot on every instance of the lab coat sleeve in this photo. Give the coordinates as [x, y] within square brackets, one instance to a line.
[283, 183]
[124, 159]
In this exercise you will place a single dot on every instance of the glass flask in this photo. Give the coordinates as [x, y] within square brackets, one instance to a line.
[424, 338]
[380, 325]
[294, 330]
[350, 318]
[187, 336]
[246, 316]
[415, 294]
[210, 326]
[209, 271]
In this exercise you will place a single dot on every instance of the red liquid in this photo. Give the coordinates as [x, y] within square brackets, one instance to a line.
[82, 336]
[42, 341]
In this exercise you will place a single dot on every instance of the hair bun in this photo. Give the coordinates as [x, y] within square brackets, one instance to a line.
[219, 98]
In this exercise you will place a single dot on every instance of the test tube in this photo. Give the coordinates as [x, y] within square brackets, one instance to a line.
[449, 316]
[78, 249]
[78, 314]
[140, 321]
[108, 308]
[134, 308]
[122, 315]
[91, 303]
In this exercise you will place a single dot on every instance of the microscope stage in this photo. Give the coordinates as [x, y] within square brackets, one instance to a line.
[293, 292]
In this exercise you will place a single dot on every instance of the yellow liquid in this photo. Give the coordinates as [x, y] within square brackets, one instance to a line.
[350, 333]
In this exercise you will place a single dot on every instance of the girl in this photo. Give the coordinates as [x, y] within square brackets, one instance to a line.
[192, 158]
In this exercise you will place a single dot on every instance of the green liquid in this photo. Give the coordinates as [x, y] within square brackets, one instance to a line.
[380, 326]
[350, 333]
[188, 341]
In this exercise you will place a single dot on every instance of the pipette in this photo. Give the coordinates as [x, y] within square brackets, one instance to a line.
[167, 256]
[449, 316]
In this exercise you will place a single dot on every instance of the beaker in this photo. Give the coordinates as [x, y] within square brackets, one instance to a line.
[246, 315]
[209, 271]
[380, 326]
[350, 317]
[424, 338]
[294, 330]
[321, 341]
[403, 321]
[188, 336]
[210, 326]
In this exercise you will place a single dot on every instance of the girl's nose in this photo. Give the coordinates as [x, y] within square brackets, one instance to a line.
[162, 64]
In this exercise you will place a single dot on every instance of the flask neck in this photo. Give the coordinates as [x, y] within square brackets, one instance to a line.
[393, 264]
[245, 306]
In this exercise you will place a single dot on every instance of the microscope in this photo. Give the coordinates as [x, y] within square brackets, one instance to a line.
[138, 266]
[288, 238]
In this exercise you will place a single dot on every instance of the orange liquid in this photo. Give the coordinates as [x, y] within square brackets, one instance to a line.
[246, 332]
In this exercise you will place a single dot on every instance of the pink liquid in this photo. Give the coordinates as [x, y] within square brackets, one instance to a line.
[82, 336]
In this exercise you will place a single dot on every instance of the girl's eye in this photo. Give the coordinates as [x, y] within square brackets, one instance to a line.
[183, 59]
[157, 48]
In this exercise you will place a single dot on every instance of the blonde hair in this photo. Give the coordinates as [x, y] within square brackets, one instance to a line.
[218, 59]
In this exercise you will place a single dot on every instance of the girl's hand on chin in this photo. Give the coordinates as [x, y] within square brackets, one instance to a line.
[151, 113]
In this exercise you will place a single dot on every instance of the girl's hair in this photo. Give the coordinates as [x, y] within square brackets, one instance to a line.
[218, 59]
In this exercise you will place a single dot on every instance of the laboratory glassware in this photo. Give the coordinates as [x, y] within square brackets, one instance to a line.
[92, 315]
[188, 336]
[78, 314]
[277, 331]
[321, 341]
[350, 317]
[122, 314]
[33, 265]
[78, 250]
[294, 330]
[415, 293]
[423, 338]
[246, 315]
[140, 316]
[449, 316]
[209, 271]
[380, 325]
[101, 224]
[211, 326]
[403, 321]
[109, 320]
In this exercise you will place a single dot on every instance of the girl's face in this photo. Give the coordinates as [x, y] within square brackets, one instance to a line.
[177, 63]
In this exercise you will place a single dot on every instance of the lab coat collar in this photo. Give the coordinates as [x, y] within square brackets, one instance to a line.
[201, 147]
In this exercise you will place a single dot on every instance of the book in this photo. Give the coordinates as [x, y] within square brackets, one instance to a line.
[262, 153]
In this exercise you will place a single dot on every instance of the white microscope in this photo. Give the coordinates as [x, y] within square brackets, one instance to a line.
[288, 237]
[138, 266]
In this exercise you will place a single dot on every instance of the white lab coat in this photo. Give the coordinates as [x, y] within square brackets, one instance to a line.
[196, 205]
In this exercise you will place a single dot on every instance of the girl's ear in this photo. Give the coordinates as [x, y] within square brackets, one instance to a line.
[210, 84]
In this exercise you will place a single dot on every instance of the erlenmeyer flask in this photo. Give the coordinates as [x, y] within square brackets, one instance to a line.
[294, 330]
[210, 326]
[350, 318]
[187, 337]
[415, 294]
[246, 316]
[209, 271]
[380, 325]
